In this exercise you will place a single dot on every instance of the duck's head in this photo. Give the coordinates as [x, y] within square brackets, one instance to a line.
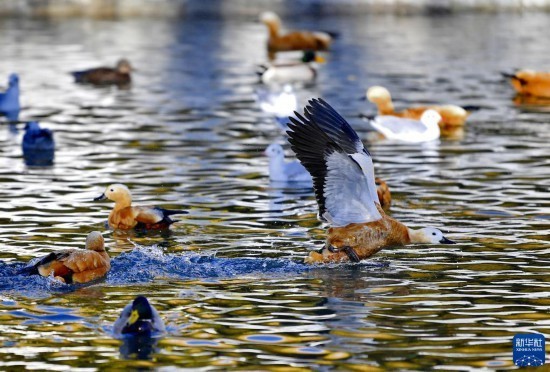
[116, 192]
[95, 242]
[311, 56]
[274, 150]
[13, 80]
[454, 110]
[378, 94]
[123, 66]
[140, 318]
[32, 126]
[270, 18]
[431, 118]
[432, 235]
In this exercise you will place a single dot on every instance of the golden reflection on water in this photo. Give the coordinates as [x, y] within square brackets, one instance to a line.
[193, 138]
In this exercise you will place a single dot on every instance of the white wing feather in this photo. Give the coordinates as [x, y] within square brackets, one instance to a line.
[347, 192]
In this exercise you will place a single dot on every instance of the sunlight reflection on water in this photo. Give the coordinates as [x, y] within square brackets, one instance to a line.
[227, 277]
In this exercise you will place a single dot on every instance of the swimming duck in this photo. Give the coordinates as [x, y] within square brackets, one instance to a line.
[75, 265]
[139, 318]
[303, 71]
[283, 171]
[409, 130]
[451, 115]
[125, 217]
[297, 40]
[38, 145]
[9, 100]
[120, 75]
[530, 83]
[344, 183]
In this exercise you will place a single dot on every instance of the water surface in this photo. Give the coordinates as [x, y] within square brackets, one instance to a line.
[227, 278]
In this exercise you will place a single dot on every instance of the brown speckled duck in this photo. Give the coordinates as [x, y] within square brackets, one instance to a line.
[119, 75]
[124, 216]
[345, 189]
[75, 265]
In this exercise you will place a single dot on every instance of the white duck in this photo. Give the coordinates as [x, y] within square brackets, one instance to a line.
[282, 171]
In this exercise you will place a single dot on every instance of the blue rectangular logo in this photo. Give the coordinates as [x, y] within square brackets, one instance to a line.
[528, 349]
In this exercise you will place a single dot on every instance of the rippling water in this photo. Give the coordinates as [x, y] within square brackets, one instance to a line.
[227, 278]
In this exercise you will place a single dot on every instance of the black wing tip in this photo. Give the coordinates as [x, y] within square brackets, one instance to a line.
[509, 75]
[471, 108]
[171, 212]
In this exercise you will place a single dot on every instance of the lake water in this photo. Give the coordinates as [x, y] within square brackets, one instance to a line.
[228, 278]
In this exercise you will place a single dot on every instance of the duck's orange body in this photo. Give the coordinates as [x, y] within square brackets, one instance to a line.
[79, 266]
[75, 265]
[531, 83]
[365, 239]
[452, 116]
[124, 216]
[384, 194]
[297, 40]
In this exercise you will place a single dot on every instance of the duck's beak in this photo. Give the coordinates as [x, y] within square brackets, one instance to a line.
[100, 197]
[134, 316]
[446, 241]
[320, 59]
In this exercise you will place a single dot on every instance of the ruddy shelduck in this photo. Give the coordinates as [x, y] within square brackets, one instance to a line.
[124, 216]
[345, 189]
[451, 115]
[530, 83]
[297, 40]
[75, 265]
[139, 318]
[119, 75]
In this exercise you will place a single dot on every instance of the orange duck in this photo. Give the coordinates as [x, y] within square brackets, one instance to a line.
[345, 189]
[120, 75]
[124, 216]
[530, 83]
[451, 115]
[297, 40]
[75, 265]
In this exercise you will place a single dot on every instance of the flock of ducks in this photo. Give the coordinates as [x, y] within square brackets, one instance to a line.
[331, 158]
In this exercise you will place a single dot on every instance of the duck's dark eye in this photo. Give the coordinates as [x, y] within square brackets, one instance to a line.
[434, 234]
[114, 190]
